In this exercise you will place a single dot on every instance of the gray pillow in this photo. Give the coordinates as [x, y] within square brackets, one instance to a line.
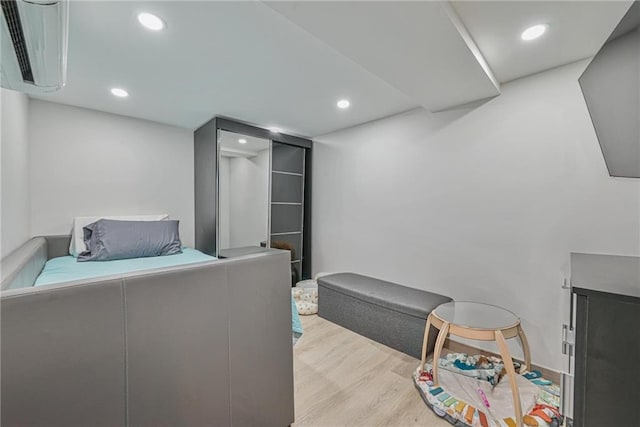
[109, 239]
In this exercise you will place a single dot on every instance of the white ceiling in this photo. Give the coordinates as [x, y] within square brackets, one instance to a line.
[577, 30]
[239, 59]
[286, 65]
[414, 46]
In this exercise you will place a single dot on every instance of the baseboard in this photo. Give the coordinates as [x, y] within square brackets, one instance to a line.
[458, 347]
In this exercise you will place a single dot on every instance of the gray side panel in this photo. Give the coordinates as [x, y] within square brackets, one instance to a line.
[21, 267]
[261, 353]
[177, 338]
[63, 357]
[205, 180]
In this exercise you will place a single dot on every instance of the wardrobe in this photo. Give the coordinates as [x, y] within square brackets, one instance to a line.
[288, 188]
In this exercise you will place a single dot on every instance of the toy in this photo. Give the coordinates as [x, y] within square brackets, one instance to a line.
[306, 299]
[484, 398]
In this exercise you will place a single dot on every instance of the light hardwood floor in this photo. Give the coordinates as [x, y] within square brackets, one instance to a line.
[345, 379]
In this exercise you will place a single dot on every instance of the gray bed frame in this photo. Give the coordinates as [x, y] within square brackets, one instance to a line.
[193, 345]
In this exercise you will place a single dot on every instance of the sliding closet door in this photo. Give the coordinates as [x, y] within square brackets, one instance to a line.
[287, 201]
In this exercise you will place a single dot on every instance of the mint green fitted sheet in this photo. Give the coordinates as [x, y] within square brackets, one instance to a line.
[67, 268]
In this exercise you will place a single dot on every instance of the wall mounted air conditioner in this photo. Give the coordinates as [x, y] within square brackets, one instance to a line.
[34, 38]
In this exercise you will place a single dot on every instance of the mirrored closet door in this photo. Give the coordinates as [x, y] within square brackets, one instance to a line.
[243, 191]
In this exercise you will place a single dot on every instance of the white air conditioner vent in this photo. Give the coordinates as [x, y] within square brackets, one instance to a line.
[34, 37]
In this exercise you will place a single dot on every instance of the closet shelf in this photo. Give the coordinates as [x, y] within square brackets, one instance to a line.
[287, 173]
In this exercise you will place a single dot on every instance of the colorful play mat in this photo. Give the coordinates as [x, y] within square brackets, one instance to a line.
[467, 396]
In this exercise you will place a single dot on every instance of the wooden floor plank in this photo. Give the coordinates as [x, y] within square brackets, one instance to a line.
[345, 379]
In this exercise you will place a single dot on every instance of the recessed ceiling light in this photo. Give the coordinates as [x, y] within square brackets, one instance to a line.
[242, 141]
[120, 93]
[533, 32]
[151, 21]
[343, 104]
[275, 129]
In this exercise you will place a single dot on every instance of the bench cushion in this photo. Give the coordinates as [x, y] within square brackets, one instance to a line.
[411, 301]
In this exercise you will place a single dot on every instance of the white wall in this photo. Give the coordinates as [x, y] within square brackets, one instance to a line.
[85, 162]
[248, 199]
[484, 204]
[14, 154]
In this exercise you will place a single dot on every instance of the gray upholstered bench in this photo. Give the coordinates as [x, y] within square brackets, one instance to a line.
[386, 312]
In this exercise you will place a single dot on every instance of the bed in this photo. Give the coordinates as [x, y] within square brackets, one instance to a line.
[68, 269]
[174, 342]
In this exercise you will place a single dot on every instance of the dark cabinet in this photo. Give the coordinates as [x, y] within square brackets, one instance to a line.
[607, 350]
